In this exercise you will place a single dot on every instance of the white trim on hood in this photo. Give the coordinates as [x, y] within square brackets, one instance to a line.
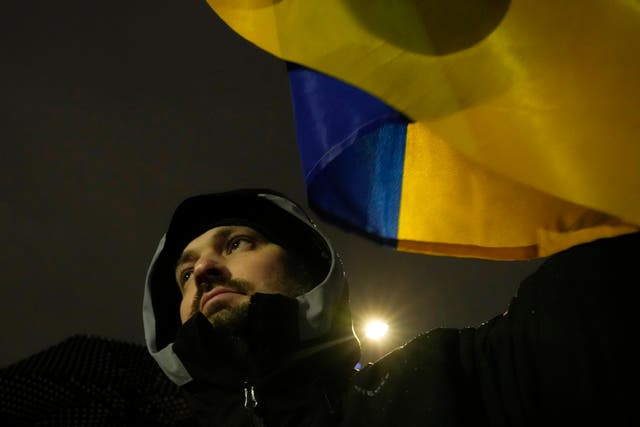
[169, 361]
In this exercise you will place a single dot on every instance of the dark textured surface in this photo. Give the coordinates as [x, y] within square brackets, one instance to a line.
[90, 381]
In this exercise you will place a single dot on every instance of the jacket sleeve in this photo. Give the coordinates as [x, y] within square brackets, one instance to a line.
[563, 352]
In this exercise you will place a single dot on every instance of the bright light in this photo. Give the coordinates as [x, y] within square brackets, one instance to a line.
[376, 329]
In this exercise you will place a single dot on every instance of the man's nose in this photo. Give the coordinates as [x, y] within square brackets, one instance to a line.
[209, 271]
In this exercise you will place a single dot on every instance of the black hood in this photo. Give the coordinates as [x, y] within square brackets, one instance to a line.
[322, 312]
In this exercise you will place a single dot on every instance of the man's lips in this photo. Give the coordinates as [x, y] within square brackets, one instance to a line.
[218, 290]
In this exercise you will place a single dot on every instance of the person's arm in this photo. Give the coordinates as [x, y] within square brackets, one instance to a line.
[564, 351]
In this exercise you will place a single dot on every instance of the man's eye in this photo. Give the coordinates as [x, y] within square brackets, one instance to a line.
[185, 276]
[238, 243]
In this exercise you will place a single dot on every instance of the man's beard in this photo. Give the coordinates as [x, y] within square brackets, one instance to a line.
[223, 315]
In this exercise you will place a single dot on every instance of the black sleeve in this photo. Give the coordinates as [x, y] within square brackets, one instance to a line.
[564, 352]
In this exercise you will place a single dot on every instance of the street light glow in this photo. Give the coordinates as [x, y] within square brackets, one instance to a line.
[376, 329]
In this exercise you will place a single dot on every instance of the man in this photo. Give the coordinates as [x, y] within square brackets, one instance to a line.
[246, 308]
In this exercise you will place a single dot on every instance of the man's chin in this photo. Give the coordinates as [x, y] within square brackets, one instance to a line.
[228, 317]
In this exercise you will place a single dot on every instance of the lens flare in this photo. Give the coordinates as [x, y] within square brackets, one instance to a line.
[376, 329]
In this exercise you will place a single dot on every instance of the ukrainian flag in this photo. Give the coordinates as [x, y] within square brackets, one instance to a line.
[494, 129]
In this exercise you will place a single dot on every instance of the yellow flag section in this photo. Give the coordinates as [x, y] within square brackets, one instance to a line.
[453, 206]
[544, 93]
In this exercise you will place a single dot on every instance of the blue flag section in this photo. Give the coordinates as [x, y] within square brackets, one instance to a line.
[352, 150]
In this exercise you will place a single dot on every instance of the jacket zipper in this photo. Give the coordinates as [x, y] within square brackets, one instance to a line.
[250, 402]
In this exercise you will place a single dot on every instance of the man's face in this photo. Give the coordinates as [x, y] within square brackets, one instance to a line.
[219, 270]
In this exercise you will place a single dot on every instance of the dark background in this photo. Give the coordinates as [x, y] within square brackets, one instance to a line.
[113, 112]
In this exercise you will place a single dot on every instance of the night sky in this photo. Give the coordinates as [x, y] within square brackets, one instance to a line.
[111, 114]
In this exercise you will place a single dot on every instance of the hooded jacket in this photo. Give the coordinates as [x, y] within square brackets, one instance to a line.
[293, 342]
[549, 359]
